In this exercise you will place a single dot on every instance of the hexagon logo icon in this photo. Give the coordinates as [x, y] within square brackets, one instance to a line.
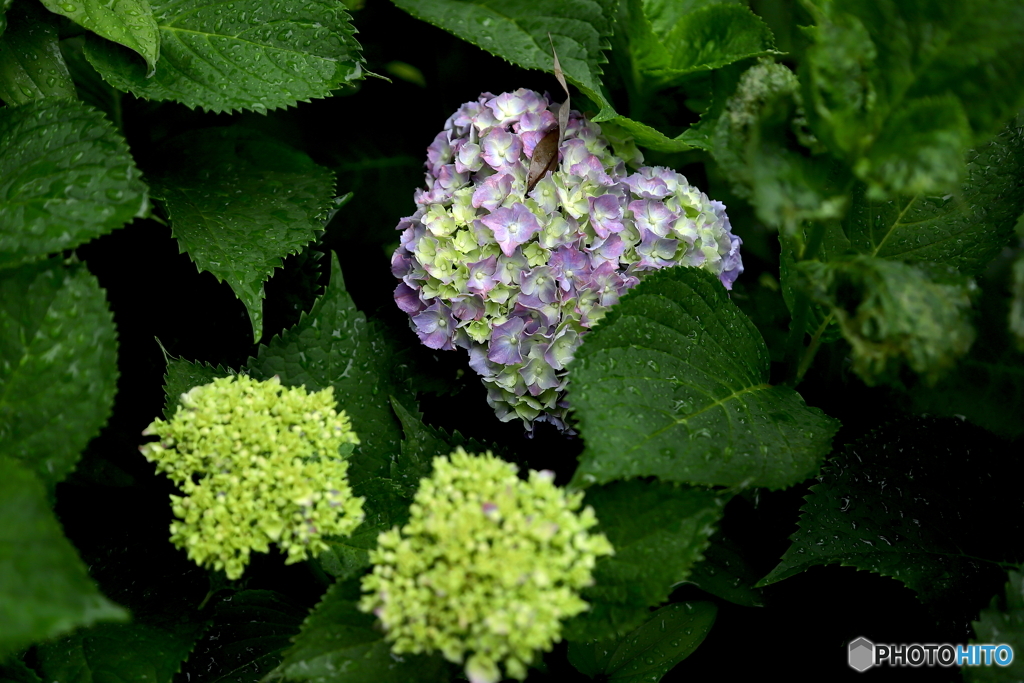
[861, 654]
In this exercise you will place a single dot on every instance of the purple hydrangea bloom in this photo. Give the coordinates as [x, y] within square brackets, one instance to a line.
[517, 278]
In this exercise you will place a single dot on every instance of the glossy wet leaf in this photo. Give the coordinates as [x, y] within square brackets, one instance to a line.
[58, 365]
[239, 203]
[182, 375]
[335, 345]
[673, 383]
[248, 634]
[128, 22]
[965, 229]
[246, 55]
[111, 653]
[338, 643]
[659, 532]
[645, 655]
[44, 588]
[31, 65]
[65, 177]
[881, 505]
[901, 89]
[1001, 622]
[725, 573]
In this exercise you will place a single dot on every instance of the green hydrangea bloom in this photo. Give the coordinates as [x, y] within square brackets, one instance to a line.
[258, 463]
[488, 565]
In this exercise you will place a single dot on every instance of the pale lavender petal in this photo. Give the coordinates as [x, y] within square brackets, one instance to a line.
[468, 308]
[653, 216]
[732, 264]
[505, 342]
[492, 192]
[481, 275]
[501, 148]
[540, 282]
[605, 214]
[435, 327]
[512, 227]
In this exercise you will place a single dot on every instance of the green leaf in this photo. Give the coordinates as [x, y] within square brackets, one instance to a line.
[340, 644]
[15, 671]
[31, 66]
[128, 22]
[517, 30]
[1002, 622]
[659, 531]
[65, 177]
[249, 55]
[388, 498]
[893, 313]
[1016, 321]
[670, 635]
[44, 588]
[673, 383]
[901, 89]
[882, 505]
[182, 375]
[965, 230]
[249, 633]
[703, 39]
[112, 653]
[334, 345]
[58, 372]
[725, 573]
[386, 505]
[239, 202]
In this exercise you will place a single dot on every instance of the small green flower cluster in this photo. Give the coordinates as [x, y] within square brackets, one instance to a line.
[488, 565]
[258, 463]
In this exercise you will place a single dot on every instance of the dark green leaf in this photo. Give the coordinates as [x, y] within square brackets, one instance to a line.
[31, 65]
[334, 345]
[14, 670]
[964, 230]
[240, 202]
[1002, 622]
[340, 644]
[116, 653]
[182, 375]
[674, 383]
[901, 89]
[65, 177]
[517, 30]
[249, 632]
[128, 22]
[705, 38]
[88, 84]
[883, 506]
[248, 55]
[386, 505]
[725, 573]
[58, 365]
[894, 313]
[44, 588]
[1016, 321]
[670, 635]
[659, 531]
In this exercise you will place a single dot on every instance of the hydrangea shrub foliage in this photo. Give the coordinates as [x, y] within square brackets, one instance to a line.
[573, 420]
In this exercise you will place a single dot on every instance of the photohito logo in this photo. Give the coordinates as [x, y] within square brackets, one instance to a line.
[862, 654]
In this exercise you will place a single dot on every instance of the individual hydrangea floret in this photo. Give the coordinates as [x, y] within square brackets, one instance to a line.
[517, 274]
[487, 567]
[258, 463]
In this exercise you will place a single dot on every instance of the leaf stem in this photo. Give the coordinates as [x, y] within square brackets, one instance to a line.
[812, 349]
[795, 352]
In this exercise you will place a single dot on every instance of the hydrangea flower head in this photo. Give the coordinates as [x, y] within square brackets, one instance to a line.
[486, 568]
[258, 463]
[516, 272]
